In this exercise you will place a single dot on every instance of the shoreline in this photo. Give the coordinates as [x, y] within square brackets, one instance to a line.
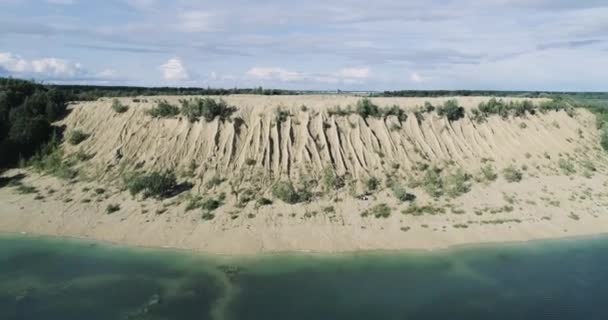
[301, 253]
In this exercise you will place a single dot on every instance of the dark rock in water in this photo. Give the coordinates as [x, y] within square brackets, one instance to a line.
[230, 271]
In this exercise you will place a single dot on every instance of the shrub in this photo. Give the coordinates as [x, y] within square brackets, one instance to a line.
[287, 193]
[164, 110]
[566, 166]
[264, 201]
[111, 208]
[431, 182]
[366, 108]
[456, 184]
[487, 173]
[372, 184]
[331, 181]
[451, 110]
[77, 137]
[512, 174]
[249, 162]
[395, 111]
[401, 193]
[119, 107]
[210, 204]
[155, 184]
[207, 108]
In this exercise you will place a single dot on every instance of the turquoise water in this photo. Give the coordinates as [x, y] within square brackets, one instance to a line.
[42, 278]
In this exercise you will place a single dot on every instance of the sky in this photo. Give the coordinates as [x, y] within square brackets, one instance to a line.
[558, 45]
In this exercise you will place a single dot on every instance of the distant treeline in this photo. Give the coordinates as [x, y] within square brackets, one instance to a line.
[89, 93]
[492, 93]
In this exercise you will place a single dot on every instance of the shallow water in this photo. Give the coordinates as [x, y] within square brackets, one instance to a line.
[41, 278]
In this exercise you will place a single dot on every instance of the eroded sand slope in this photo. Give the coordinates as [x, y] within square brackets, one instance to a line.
[260, 146]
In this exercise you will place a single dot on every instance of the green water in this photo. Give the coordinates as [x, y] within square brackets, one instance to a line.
[42, 278]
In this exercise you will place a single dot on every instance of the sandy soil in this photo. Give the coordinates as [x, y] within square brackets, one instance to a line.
[548, 203]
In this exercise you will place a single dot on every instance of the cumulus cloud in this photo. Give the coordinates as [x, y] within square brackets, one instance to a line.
[45, 66]
[174, 70]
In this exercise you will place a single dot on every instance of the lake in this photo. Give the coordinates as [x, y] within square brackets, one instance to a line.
[45, 278]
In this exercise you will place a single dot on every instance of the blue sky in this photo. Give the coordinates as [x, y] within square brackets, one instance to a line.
[313, 44]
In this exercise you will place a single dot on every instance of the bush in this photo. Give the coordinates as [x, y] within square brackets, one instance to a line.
[487, 173]
[366, 108]
[401, 193]
[456, 184]
[164, 110]
[155, 184]
[249, 162]
[207, 108]
[264, 201]
[566, 166]
[119, 107]
[451, 110]
[512, 174]
[111, 208]
[431, 182]
[77, 136]
[287, 193]
[331, 181]
[210, 204]
[372, 184]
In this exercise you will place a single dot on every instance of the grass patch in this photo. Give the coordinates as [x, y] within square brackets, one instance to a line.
[416, 210]
[381, 210]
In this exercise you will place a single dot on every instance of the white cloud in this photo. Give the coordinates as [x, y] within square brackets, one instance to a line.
[45, 66]
[174, 70]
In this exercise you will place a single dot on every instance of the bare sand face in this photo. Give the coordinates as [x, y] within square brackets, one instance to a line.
[562, 192]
